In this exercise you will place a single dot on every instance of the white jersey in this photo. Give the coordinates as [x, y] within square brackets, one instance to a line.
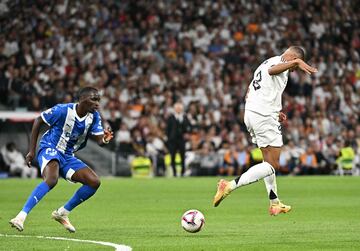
[264, 94]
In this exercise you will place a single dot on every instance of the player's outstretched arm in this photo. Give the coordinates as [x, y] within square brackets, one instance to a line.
[33, 140]
[293, 64]
[279, 68]
[306, 68]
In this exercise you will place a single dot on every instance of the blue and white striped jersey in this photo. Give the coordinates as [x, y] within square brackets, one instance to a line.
[68, 132]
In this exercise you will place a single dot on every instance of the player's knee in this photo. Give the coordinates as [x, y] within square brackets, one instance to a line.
[97, 183]
[51, 181]
[275, 165]
[94, 182]
[272, 162]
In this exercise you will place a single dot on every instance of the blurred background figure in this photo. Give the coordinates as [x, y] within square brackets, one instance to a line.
[229, 164]
[308, 162]
[243, 158]
[346, 159]
[178, 127]
[14, 159]
[209, 160]
[123, 141]
[144, 61]
[156, 150]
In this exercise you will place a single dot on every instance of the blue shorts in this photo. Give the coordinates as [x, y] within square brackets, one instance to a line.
[68, 164]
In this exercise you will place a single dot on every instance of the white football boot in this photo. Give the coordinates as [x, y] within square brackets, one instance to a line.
[17, 223]
[63, 220]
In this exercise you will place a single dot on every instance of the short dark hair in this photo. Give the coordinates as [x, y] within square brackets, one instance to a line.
[300, 51]
[86, 91]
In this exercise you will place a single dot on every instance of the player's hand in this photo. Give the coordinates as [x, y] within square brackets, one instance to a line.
[29, 157]
[282, 117]
[306, 68]
[108, 135]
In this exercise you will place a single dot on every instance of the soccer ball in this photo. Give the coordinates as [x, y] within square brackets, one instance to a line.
[192, 221]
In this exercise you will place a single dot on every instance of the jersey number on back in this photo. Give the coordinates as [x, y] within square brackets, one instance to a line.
[256, 81]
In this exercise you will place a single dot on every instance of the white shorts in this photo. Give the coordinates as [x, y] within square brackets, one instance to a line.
[265, 130]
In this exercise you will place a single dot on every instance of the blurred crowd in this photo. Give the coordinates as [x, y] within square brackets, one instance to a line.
[146, 55]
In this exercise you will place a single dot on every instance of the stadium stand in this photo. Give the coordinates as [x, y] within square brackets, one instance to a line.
[145, 55]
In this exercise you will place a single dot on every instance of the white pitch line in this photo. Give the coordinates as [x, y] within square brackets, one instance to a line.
[118, 247]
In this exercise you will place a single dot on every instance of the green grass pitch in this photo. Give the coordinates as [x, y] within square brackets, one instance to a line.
[145, 214]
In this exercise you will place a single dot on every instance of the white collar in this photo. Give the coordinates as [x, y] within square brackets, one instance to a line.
[77, 116]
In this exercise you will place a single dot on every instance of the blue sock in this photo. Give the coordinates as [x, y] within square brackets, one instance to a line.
[37, 194]
[82, 194]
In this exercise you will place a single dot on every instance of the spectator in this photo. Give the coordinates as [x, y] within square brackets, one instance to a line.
[284, 160]
[156, 150]
[144, 54]
[209, 160]
[230, 163]
[16, 162]
[308, 162]
[295, 153]
[323, 164]
[123, 141]
[242, 159]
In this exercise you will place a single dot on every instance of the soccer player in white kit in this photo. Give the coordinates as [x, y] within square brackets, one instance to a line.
[262, 118]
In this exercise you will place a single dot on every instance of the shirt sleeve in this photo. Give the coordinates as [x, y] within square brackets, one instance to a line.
[52, 115]
[275, 61]
[97, 128]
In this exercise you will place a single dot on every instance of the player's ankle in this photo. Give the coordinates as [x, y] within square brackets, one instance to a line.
[275, 201]
[21, 215]
[63, 211]
[232, 185]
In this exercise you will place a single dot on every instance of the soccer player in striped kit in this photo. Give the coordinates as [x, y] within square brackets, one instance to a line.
[70, 126]
[262, 118]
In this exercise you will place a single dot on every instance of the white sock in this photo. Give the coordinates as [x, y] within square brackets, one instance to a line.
[255, 173]
[22, 215]
[63, 211]
[270, 183]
